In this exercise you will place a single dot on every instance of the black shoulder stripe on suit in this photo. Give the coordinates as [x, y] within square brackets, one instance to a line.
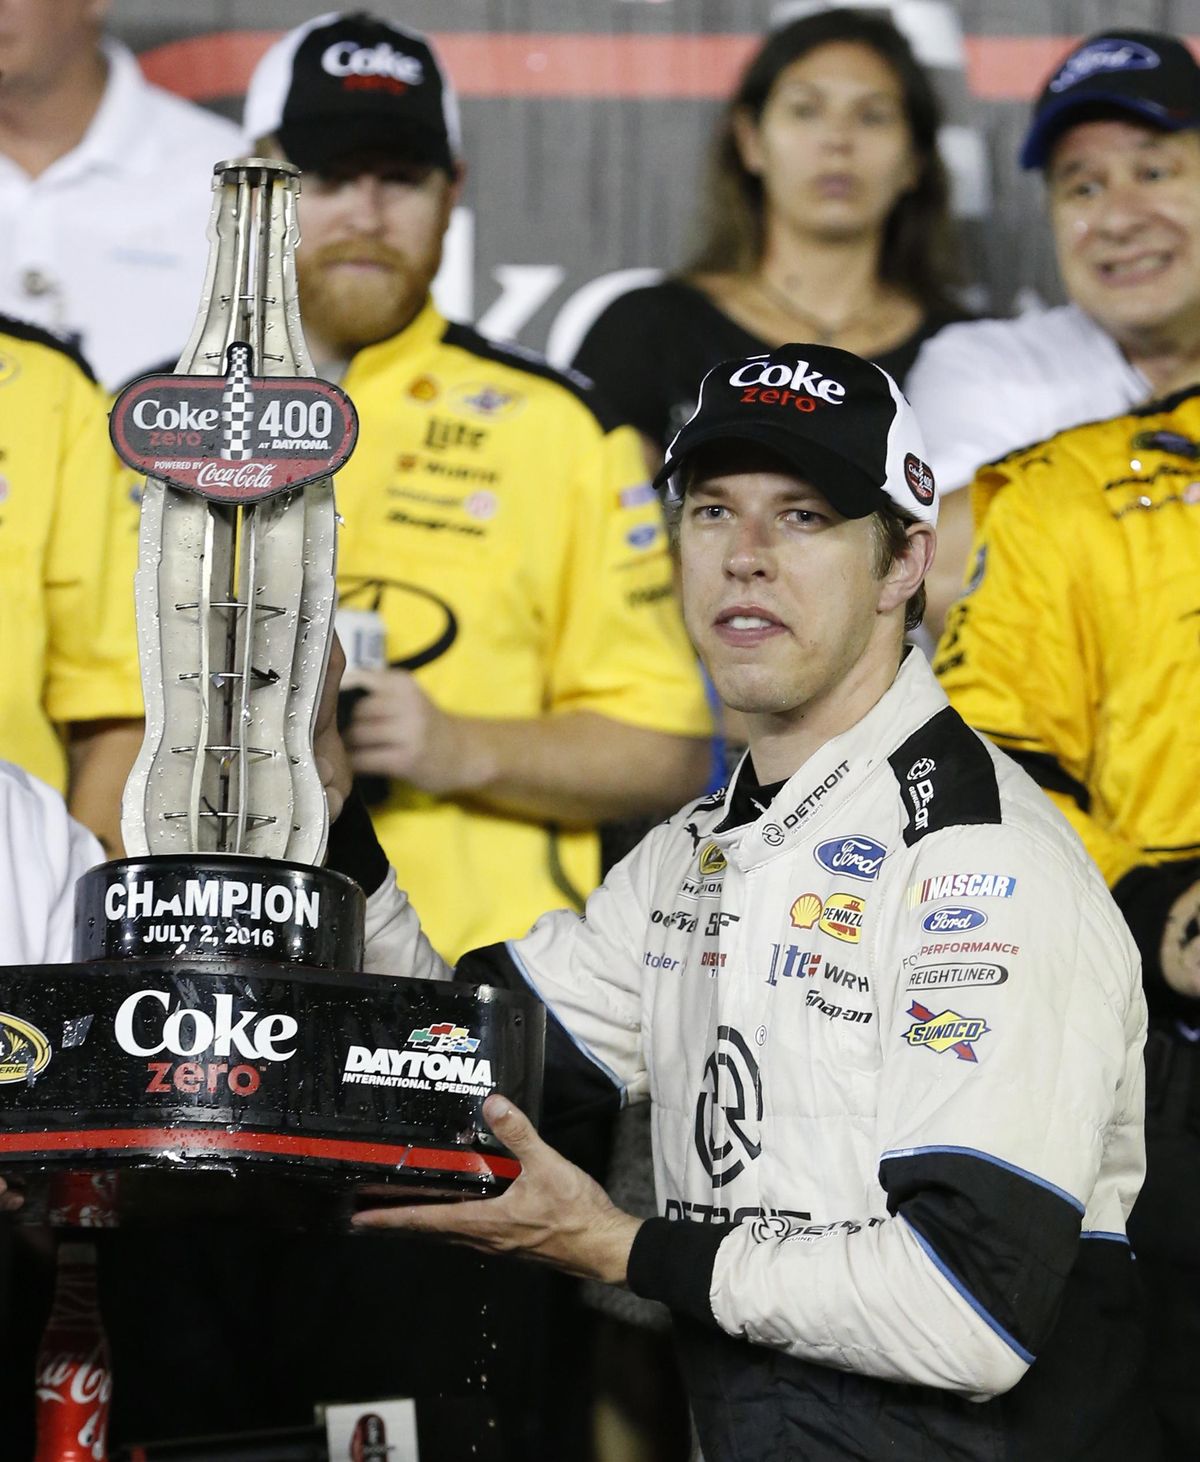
[520, 359]
[946, 777]
[1050, 774]
[24, 330]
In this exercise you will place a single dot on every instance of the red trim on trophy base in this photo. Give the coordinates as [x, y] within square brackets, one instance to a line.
[199, 1141]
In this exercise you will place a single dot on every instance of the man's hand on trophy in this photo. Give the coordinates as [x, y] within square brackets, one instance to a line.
[397, 731]
[329, 754]
[10, 1199]
[1179, 953]
[553, 1212]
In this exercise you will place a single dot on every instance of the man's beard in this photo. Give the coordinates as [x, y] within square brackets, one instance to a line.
[346, 311]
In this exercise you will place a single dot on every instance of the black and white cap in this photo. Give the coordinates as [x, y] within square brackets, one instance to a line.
[842, 423]
[1151, 76]
[347, 82]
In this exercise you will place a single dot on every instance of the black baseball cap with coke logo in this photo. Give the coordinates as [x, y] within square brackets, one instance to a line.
[1145, 74]
[838, 421]
[349, 82]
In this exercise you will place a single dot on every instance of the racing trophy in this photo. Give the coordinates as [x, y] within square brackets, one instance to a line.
[216, 1022]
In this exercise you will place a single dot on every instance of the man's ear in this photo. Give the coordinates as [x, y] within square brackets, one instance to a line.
[909, 567]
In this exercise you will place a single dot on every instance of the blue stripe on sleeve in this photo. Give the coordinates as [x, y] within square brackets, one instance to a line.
[959, 1288]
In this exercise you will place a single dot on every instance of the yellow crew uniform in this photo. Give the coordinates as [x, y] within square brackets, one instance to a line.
[68, 550]
[1076, 645]
[508, 538]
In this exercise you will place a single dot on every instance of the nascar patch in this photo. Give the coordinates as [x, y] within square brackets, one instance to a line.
[962, 886]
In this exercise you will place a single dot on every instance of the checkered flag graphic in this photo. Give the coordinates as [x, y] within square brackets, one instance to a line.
[237, 406]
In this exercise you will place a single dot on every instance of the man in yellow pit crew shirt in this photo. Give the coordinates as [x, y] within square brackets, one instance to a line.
[539, 677]
[1076, 648]
[71, 702]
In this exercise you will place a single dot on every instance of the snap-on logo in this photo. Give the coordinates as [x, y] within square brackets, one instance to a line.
[345, 58]
[919, 477]
[797, 382]
[1107, 54]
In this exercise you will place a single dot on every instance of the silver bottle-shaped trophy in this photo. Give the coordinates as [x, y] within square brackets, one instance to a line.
[235, 601]
[215, 1021]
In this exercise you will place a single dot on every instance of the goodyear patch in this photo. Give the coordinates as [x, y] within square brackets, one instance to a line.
[24, 1050]
[945, 1031]
[712, 860]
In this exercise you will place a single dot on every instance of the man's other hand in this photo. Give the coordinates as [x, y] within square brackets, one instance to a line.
[553, 1212]
[333, 765]
[397, 731]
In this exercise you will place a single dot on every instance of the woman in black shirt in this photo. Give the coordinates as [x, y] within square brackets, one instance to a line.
[826, 220]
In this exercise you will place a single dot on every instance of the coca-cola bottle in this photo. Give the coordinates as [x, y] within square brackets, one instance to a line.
[74, 1378]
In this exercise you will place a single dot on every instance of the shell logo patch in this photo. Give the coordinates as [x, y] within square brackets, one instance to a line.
[946, 1031]
[712, 860]
[424, 388]
[806, 911]
[841, 915]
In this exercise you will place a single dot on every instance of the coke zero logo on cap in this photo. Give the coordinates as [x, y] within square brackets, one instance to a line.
[760, 370]
[348, 58]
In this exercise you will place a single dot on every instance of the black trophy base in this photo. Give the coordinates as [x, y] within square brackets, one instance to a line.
[254, 1088]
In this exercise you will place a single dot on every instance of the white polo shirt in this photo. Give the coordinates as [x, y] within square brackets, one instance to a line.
[43, 851]
[109, 244]
[983, 388]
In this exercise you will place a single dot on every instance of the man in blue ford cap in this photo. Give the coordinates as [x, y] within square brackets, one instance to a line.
[1116, 133]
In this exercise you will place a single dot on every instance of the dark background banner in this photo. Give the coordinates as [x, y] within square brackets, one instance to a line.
[587, 122]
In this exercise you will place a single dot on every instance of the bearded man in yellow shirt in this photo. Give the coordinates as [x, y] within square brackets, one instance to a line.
[539, 680]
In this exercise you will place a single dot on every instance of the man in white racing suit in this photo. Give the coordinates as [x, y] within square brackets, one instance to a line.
[888, 1016]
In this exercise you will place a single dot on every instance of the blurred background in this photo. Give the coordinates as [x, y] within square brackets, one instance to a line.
[587, 124]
